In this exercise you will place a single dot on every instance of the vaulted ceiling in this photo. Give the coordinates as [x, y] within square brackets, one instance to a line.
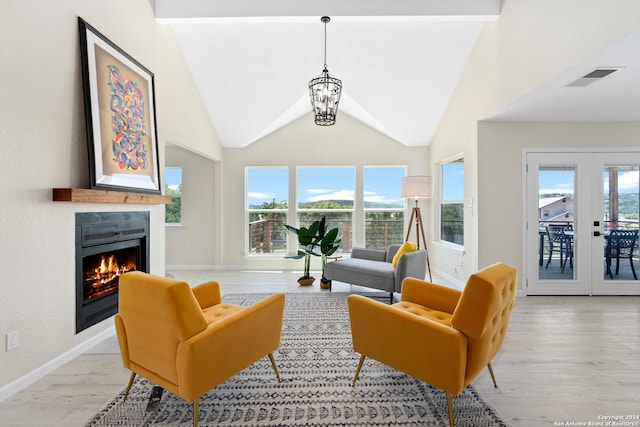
[399, 62]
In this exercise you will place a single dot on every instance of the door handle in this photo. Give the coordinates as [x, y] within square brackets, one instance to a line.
[596, 234]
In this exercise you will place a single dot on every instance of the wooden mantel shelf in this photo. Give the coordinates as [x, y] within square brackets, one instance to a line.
[86, 195]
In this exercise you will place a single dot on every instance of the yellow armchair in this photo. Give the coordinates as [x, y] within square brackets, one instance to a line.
[187, 340]
[437, 334]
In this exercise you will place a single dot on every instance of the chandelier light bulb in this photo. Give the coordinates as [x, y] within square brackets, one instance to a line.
[325, 90]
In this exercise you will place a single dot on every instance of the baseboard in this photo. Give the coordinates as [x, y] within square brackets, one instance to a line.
[23, 382]
[230, 268]
[450, 280]
[183, 267]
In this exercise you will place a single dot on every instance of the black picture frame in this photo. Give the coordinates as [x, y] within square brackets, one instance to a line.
[119, 99]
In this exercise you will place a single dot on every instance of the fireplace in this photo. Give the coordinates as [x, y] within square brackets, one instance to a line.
[108, 244]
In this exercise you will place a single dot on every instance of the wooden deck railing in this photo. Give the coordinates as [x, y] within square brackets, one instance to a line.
[267, 236]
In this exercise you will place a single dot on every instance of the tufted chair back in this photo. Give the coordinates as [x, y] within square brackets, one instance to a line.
[158, 313]
[483, 313]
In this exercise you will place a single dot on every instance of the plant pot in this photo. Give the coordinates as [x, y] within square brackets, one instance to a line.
[325, 284]
[306, 281]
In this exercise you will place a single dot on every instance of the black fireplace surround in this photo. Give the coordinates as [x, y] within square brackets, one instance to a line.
[108, 244]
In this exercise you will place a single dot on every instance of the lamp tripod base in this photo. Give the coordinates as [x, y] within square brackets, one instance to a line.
[416, 214]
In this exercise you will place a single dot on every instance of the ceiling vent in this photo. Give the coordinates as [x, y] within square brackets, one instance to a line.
[592, 77]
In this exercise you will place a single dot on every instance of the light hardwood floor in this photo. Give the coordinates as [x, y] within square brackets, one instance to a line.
[565, 359]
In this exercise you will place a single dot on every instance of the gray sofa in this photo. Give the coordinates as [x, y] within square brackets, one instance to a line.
[373, 268]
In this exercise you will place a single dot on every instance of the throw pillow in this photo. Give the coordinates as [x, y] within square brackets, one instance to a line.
[406, 247]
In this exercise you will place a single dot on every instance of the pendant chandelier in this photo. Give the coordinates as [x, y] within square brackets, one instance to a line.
[325, 90]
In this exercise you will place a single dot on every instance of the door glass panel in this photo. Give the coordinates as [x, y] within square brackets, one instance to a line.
[556, 194]
[621, 212]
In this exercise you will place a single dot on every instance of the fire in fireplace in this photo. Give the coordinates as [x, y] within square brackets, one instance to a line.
[108, 244]
[102, 271]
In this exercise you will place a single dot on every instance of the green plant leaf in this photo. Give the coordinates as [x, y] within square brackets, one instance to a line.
[291, 229]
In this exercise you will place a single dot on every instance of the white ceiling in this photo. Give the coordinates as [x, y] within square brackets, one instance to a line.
[612, 98]
[399, 62]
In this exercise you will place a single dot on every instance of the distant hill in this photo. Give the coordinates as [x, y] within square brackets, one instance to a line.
[628, 203]
[331, 204]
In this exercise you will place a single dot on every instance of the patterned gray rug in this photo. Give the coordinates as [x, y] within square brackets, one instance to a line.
[317, 363]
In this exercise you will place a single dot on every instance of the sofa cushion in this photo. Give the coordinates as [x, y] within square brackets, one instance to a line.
[406, 247]
[370, 254]
[374, 274]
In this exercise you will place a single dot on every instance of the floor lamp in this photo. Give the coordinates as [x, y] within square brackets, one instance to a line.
[417, 187]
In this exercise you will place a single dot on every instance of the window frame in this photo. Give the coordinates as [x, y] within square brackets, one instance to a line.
[317, 214]
[400, 210]
[357, 212]
[174, 196]
[459, 158]
[248, 211]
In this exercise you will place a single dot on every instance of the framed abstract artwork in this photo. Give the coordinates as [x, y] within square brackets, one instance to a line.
[119, 100]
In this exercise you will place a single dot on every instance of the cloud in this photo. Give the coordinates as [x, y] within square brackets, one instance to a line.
[373, 197]
[319, 190]
[627, 182]
[558, 189]
[334, 195]
[256, 195]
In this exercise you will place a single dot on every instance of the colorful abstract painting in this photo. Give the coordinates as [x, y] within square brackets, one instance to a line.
[119, 102]
[128, 122]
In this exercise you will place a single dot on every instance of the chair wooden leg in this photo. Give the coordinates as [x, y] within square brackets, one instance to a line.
[355, 378]
[196, 411]
[126, 393]
[275, 367]
[450, 408]
[493, 377]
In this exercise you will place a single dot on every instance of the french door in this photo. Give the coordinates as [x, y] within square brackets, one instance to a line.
[582, 211]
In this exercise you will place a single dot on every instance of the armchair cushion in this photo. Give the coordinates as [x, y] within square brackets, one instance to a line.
[437, 297]
[406, 247]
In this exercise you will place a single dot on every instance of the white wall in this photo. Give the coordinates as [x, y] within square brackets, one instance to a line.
[192, 243]
[503, 144]
[531, 42]
[302, 143]
[42, 132]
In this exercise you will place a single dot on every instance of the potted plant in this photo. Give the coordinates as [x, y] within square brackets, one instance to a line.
[313, 241]
[329, 243]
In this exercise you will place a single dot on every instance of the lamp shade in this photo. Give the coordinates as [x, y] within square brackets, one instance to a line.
[415, 187]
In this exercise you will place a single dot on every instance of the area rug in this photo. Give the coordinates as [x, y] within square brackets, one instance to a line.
[317, 363]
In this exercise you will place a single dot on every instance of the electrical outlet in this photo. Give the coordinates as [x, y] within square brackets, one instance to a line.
[13, 339]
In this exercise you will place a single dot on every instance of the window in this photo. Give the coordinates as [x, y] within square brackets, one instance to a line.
[323, 191]
[173, 188]
[383, 206]
[267, 206]
[327, 191]
[452, 202]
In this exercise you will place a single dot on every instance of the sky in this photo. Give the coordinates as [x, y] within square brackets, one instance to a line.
[562, 181]
[381, 184]
[267, 184]
[173, 177]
